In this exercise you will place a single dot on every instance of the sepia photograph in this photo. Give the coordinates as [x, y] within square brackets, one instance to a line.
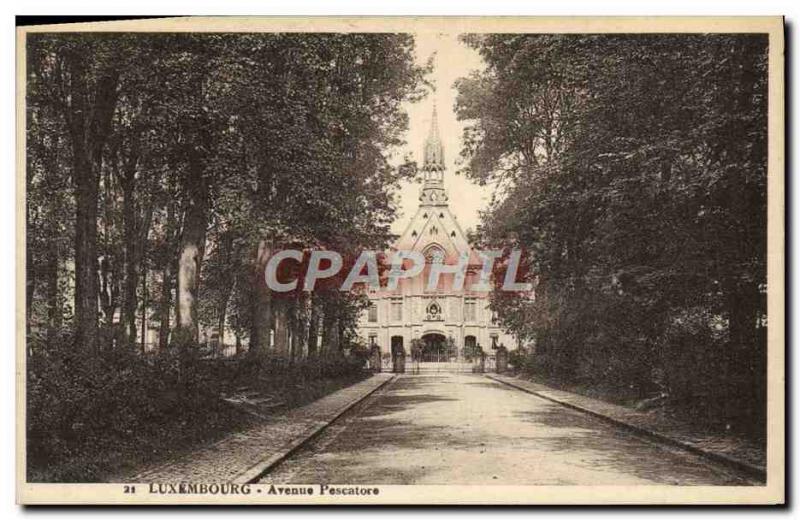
[401, 261]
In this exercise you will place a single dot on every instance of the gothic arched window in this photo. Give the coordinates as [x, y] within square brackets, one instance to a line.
[433, 253]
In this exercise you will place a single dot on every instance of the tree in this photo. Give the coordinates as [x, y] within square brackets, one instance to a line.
[162, 171]
[79, 75]
[633, 173]
[198, 155]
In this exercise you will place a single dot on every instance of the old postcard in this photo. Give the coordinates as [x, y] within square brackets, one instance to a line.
[401, 261]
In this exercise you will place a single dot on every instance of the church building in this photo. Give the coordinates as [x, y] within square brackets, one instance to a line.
[447, 322]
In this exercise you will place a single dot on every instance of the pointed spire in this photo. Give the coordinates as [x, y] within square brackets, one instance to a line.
[433, 191]
[433, 134]
[433, 149]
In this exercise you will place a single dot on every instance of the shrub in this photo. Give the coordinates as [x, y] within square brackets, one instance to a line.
[520, 360]
[81, 408]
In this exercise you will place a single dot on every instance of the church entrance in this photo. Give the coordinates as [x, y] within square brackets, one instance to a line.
[434, 352]
[434, 348]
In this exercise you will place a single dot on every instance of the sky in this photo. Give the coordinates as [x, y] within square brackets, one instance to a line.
[453, 60]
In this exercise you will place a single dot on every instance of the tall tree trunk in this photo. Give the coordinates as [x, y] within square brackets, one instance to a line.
[140, 265]
[86, 284]
[222, 314]
[144, 308]
[340, 334]
[129, 254]
[299, 326]
[261, 314]
[226, 282]
[109, 272]
[167, 279]
[190, 256]
[164, 306]
[137, 267]
[313, 326]
[280, 316]
[90, 124]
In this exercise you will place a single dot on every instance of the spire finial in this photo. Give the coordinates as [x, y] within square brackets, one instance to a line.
[434, 152]
[433, 134]
[433, 191]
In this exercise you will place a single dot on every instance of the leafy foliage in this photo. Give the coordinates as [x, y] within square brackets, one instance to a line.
[161, 170]
[632, 169]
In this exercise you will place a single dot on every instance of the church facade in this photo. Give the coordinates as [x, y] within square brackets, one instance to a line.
[446, 321]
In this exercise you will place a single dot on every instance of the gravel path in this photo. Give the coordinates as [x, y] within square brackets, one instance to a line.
[468, 429]
[733, 449]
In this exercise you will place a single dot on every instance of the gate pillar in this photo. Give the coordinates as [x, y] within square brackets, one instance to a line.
[398, 362]
[480, 366]
[375, 360]
[501, 359]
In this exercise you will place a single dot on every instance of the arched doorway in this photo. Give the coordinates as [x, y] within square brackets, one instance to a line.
[398, 354]
[436, 352]
[434, 348]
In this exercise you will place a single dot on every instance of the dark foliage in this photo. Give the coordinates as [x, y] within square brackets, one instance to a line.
[87, 421]
[633, 171]
[162, 169]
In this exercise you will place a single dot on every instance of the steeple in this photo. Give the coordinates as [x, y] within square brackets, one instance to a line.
[433, 150]
[433, 192]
